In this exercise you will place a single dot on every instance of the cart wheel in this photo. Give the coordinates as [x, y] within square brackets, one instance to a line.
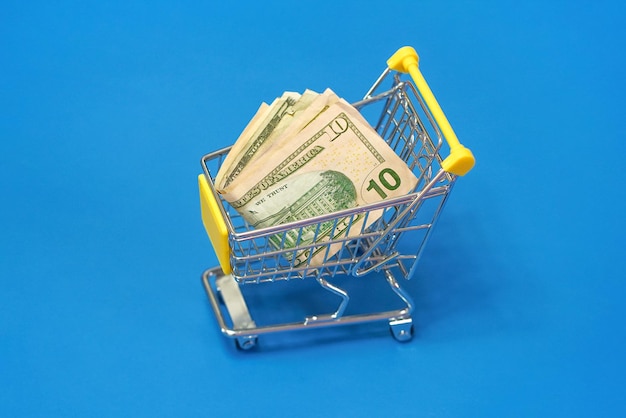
[402, 329]
[246, 343]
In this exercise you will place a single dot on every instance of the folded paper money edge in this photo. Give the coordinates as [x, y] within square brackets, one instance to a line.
[214, 224]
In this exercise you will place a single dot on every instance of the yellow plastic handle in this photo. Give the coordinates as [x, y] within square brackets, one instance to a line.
[461, 160]
[214, 224]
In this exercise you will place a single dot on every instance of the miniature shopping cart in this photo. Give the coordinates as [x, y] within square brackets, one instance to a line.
[407, 116]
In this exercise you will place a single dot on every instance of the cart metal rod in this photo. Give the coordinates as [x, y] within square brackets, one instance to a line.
[398, 290]
[392, 225]
[271, 230]
[337, 291]
[461, 160]
[309, 322]
[372, 89]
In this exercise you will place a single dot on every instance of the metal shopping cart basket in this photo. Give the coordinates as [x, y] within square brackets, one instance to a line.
[405, 113]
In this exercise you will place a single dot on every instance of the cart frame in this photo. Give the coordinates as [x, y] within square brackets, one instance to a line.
[413, 124]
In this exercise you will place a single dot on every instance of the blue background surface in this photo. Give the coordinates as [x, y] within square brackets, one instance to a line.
[106, 109]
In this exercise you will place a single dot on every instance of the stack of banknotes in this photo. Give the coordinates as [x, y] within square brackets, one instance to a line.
[306, 155]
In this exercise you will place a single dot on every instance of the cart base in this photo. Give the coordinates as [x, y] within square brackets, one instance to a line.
[223, 289]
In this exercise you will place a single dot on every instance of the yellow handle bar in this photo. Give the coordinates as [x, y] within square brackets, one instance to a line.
[461, 160]
[214, 224]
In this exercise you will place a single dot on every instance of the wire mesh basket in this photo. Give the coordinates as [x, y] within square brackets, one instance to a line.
[406, 115]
